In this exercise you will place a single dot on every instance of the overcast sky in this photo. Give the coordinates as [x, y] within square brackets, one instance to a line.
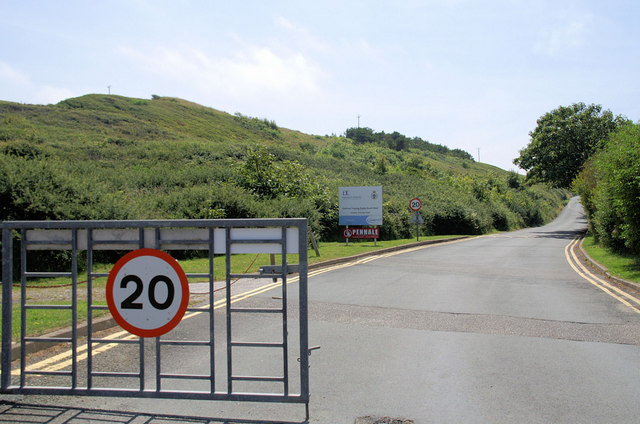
[468, 74]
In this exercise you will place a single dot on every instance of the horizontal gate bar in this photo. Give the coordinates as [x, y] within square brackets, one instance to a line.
[115, 374]
[258, 311]
[257, 378]
[256, 344]
[257, 237]
[48, 274]
[186, 376]
[187, 395]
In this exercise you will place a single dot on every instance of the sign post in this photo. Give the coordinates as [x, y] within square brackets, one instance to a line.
[147, 292]
[415, 205]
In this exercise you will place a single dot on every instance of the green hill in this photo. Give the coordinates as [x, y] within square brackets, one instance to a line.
[112, 157]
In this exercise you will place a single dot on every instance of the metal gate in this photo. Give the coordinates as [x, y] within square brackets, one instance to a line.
[226, 334]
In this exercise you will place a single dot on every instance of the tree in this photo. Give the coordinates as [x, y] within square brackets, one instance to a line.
[361, 135]
[563, 140]
[609, 186]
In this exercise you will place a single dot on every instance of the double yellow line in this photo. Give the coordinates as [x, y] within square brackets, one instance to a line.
[63, 360]
[613, 291]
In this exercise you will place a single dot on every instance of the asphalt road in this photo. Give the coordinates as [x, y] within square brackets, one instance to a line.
[496, 329]
[499, 329]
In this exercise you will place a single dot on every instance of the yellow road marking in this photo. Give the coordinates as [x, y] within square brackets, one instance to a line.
[621, 296]
[63, 360]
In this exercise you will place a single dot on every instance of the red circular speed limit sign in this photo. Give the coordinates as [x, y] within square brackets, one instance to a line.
[415, 204]
[147, 292]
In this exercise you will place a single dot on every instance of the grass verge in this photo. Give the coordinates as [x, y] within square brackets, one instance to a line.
[58, 292]
[623, 266]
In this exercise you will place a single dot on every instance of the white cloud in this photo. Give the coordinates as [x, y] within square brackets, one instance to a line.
[49, 94]
[564, 36]
[301, 36]
[255, 70]
[19, 87]
[9, 75]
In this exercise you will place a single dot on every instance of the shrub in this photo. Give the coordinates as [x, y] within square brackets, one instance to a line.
[614, 200]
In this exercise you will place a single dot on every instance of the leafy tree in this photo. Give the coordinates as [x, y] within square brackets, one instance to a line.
[381, 165]
[563, 140]
[267, 179]
[610, 189]
[361, 135]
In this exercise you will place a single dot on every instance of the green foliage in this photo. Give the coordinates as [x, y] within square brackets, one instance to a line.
[112, 157]
[266, 127]
[262, 176]
[398, 142]
[563, 141]
[610, 189]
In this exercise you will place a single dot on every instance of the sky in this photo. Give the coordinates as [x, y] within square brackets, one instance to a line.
[468, 74]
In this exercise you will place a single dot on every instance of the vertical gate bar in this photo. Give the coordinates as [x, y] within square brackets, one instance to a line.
[158, 365]
[212, 362]
[157, 240]
[141, 339]
[285, 338]
[141, 362]
[89, 308]
[74, 308]
[158, 348]
[7, 303]
[302, 296]
[141, 237]
[228, 308]
[23, 300]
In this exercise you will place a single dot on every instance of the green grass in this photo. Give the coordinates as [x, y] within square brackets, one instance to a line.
[43, 321]
[328, 251]
[622, 266]
[335, 250]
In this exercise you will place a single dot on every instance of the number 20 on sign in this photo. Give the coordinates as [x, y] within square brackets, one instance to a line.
[147, 292]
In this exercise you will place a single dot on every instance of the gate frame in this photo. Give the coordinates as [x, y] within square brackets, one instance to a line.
[157, 226]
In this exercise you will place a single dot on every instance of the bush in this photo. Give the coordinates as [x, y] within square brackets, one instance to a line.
[610, 186]
[456, 218]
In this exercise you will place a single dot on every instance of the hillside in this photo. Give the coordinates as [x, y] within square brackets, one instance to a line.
[112, 157]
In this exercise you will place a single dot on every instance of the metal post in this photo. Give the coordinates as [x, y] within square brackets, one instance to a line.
[228, 309]
[347, 237]
[285, 330]
[74, 308]
[302, 299]
[7, 282]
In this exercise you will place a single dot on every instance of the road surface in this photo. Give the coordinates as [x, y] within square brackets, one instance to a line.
[496, 329]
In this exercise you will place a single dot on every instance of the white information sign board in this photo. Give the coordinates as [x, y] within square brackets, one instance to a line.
[360, 205]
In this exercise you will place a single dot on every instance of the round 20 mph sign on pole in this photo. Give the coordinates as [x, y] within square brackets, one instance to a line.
[415, 204]
[147, 292]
